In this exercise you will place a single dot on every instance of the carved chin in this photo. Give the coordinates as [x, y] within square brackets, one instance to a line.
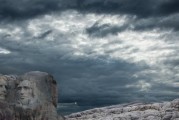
[24, 101]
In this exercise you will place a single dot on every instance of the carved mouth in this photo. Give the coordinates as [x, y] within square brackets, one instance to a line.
[23, 97]
[2, 96]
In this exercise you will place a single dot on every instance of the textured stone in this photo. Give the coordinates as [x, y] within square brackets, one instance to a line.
[137, 111]
[32, 96]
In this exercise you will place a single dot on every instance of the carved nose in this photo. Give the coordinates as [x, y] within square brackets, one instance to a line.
[22, 91]
[21, 94]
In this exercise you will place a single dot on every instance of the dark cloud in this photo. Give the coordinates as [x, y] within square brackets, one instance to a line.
[97, 30]
[168, 22]
[137, 24]
[79, 80]
[169, 7]
[139, 7]
[26, 8]
[43, 35]
[30, 8]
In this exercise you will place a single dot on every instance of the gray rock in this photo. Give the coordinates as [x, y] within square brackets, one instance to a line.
[137, 111]
[32, 96]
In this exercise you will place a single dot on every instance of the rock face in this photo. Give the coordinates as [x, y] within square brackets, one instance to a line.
[137, 111]
[32, 96]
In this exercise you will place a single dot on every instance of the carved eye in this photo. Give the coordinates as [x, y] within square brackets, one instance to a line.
[19, 88]
[26, 87]
[1, 86]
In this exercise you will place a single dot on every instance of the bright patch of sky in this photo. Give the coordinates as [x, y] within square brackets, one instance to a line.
[66, 33]
[4, 51]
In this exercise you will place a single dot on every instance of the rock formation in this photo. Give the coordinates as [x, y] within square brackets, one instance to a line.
[137, 111]
[32, 96]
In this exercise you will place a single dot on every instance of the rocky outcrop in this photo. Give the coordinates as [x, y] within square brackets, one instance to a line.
[32, 96]
[137, 111]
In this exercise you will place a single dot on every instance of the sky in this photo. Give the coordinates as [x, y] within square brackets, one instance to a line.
[101, 52]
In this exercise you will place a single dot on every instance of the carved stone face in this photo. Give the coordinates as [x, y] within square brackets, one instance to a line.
[25, 92]
[3, 89]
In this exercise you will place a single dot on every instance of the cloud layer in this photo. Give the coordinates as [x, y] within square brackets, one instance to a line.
[100, 52]
[30, 8]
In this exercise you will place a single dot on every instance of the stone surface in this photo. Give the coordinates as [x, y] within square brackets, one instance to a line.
[32, 96]
[137, 111]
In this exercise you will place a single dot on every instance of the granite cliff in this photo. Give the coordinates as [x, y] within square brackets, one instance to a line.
[32, 96]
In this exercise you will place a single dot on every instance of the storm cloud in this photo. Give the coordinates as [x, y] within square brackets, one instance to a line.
[101, 52]
[140, 8]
